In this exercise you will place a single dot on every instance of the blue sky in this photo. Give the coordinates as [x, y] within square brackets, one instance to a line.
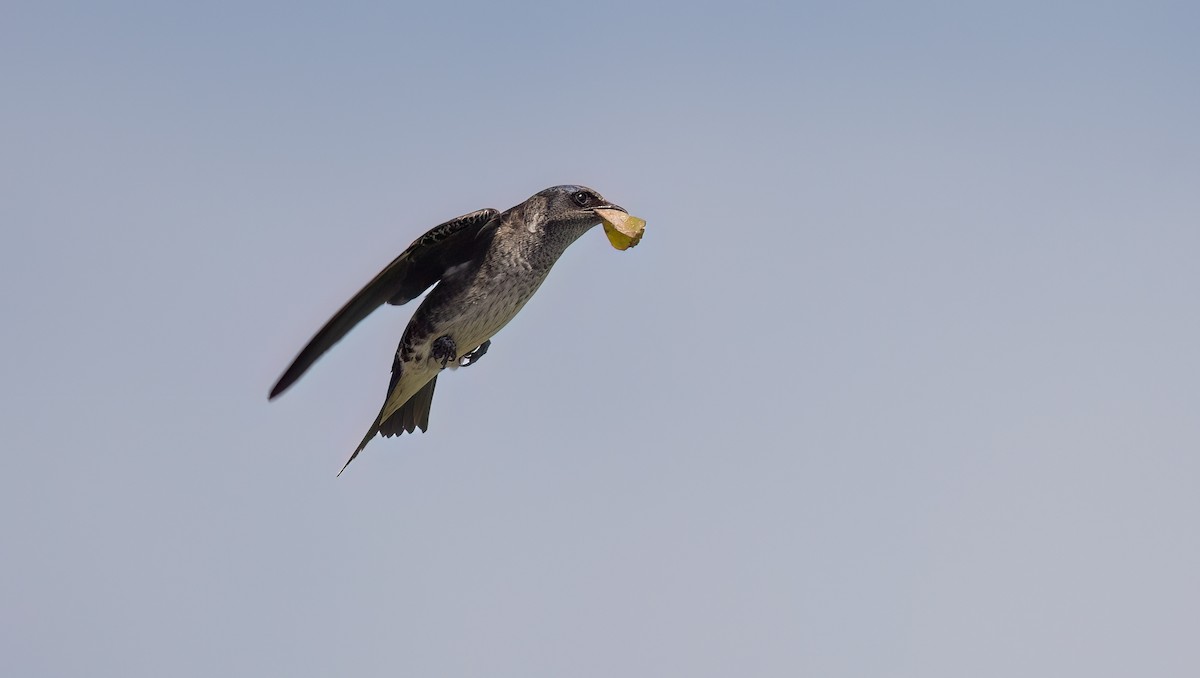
[901, 380]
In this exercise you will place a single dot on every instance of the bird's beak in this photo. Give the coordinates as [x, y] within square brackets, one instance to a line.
[610, 206]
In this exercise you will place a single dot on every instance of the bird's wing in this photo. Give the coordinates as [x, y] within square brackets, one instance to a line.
[410, 274]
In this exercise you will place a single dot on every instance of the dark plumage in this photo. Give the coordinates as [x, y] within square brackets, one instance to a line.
[486, 265]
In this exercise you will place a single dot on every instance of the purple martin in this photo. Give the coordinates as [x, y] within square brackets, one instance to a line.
[486, 265]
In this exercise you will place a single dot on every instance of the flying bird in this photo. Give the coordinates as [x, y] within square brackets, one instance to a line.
[486, 265]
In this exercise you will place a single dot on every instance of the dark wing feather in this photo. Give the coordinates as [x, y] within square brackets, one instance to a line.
[410, 274]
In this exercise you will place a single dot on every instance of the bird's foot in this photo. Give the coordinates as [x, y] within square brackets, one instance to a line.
[443, 350]
[473, 357]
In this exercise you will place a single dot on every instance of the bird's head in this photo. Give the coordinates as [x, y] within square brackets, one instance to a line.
[570, 208]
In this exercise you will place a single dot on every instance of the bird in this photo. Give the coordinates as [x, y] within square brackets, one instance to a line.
[483, 267]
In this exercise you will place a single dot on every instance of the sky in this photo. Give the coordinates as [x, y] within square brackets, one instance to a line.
[902, 380]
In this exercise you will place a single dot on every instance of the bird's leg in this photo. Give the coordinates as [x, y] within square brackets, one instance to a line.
[444, 350]
[473, 357]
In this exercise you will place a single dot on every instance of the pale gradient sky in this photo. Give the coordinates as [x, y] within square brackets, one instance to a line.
[904, 379]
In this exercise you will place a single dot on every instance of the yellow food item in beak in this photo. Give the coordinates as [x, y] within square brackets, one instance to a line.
[623, 231]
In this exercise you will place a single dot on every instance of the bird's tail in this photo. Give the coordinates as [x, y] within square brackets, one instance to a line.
[412, 415]
[366, 439]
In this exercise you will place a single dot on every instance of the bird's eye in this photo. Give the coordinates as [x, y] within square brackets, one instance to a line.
[582, 198]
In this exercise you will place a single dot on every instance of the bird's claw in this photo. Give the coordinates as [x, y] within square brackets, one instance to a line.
[473, 357]
[444, 350]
